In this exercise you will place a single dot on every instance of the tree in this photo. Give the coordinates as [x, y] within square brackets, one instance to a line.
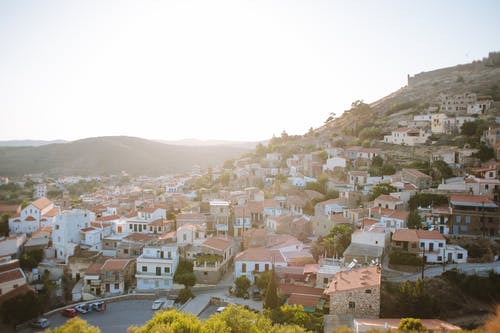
[485, 153]
[188, 279]
[441, 170]
[184, 295]
[414, 221]
[342, 238]
[170, 321]
[241, 286]
[263, 279]
[271, 296]
[31, 259]
[21, 308]
[427, 199]
[377, 161]
[295, 315]
[75, 325]
[382, 188]
[493, 325]
[411, 325]
[4, 225]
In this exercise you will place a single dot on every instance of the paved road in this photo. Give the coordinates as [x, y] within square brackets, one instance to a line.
[116, 319]
[437, 270]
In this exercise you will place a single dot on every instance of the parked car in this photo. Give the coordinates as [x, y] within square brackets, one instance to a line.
[81, 308]
[157, 304]
[69, 312]
[220, 309]
[98, 306]
[40, 323]
[256, 294]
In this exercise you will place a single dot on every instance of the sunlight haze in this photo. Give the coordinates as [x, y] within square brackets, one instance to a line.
[234, 70]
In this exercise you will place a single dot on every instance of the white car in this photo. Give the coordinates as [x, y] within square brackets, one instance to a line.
[220, 309]
[81, 308]
[157, 304]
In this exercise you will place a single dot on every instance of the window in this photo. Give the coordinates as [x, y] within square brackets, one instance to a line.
[108, 274]
[256, 267]
[169, 254]
[368, 291]
[414, 245]
[125, 251]
[243, 268]
[460, 255]
[158, 270]
[458, 219]
[144, 268]
[166, 270]
[117, 286]
[325, 280]
[57, 226]
[205, 273]
[117, 276]
[398, 243]
[130, 226]
[266, 267]
[439, 258]
[467, 219]
[440, 244]
[464, 228]
[184, 237]
[352, 305]
[422, 244]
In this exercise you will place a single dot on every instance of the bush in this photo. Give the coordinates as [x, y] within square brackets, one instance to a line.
[184, 295]
[241, 286]
[404, 258]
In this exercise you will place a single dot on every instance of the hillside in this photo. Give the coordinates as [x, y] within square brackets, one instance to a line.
[481, 77]
[28, 143]
[108, 155]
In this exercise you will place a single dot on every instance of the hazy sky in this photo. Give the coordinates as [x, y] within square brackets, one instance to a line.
[239, 70]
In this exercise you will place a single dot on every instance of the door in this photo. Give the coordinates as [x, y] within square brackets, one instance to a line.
[431, 247]
[158, 270]
[107, 287]
[450, 257]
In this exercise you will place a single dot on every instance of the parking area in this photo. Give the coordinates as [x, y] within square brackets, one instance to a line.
[116, 319]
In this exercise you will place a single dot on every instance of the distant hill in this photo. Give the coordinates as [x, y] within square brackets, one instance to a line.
[28, 143]
[204, 143]
[110, 155]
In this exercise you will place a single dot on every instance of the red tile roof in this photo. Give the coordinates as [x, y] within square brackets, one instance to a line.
[41, 203]
[115, 264]
[355, 279]
[218, 243]
[304, 300]
[53, 212]
[288, 289]
[13, 274]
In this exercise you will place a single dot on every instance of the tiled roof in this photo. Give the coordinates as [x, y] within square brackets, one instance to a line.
[218, 243]
[386, 197]
[115, 264]
[191, 216]
[288, 289]
[304, 300]
[87, 229]
[259, 254]
[411, 235]
[355, 279]
[472, 200]
[416, 173]
[41, 203]
[13, 274]
[93, 269]
[53, 212]
[108, 218]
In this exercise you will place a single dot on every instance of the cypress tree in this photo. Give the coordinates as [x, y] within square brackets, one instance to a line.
[271, 299]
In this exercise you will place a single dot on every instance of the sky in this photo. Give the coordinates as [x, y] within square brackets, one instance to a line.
[233, 70]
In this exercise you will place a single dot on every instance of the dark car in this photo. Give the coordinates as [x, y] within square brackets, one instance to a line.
[256, 294]
[69, 312]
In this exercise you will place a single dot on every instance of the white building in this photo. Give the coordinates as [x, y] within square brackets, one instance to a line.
[148, 220]
[335, 162]
[256, 260]
[407, 136]
[191, 234]
[12, 246]
[40, 191]
[39, 213]
[91, 238]
[66, 234]
[156, 267]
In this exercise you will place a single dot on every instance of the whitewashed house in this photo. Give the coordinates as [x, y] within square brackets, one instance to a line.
[39, 213]
[256, 260]
[156, 267]
[66, 233]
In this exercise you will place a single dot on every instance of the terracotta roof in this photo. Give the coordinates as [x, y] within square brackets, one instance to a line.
[100, 224]
[288, 289]
[339, 219]
[255, 206]
[411, 235]
[270, 203]
[41, 203]
[115, 264]
[260, 254]
[441, 210]
[218, 243]
[13, 274]
[30, 218]
[399, 214]
[148, 210]
[242, 211]
[108, 218]
[93, 269]
[255, 233]
[53, 212]
[9, 208]
[87, 229]
[386, 197]
[355, 279]
[416, 173]
[159, 222]
[311, 268]
[304, 300]
[473, 200]
[18, 291]
[405, 235]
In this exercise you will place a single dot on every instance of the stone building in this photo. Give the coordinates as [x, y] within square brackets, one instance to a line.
[355, 292]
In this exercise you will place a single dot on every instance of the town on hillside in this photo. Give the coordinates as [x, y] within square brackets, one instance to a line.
[333, 222]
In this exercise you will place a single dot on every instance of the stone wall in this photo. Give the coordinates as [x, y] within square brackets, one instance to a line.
[364, 304]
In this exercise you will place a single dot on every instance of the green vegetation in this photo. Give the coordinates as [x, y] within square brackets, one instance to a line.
[4, 225]
[14, 194]
[485, 153]
[336, 242]
[31, 259]
[208, 258]
[411, 299]
[411, 324]
[382, 188]
[21, 308]
[404, 258]
[402, 106]
[184, 274]
[242, 284]
[483, 288]
[271, 300]
[427, 199]
[414, 220]
[83, 187]
[295, 315]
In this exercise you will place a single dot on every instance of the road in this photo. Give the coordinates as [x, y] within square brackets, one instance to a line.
[436, 270]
